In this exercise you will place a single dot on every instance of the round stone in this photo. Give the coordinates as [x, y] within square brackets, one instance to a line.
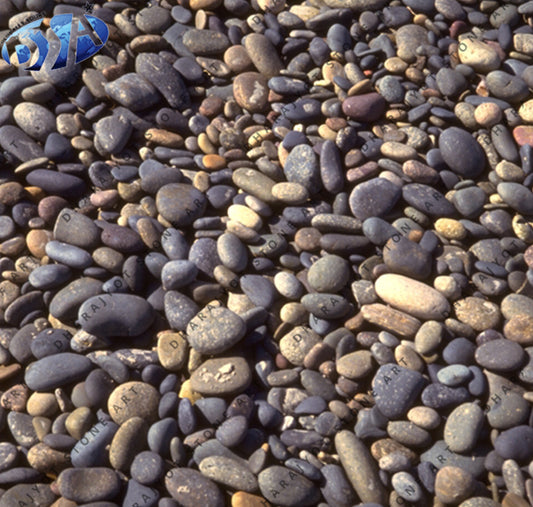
[116, 315]
[329, 274]
[133, 399]
[215, 330]
[180, 204]
[250, 90]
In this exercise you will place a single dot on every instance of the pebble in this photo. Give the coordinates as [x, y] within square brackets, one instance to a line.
[284, 487]
[215, 330]
[412, 297]
[189, 487]
[454, 140]
[85, 485]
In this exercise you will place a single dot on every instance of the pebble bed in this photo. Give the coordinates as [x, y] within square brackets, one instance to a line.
[270, 252]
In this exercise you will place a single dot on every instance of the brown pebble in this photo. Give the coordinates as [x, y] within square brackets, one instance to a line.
[15, 398]
[453, 485]
[11, 193]
[36, 241]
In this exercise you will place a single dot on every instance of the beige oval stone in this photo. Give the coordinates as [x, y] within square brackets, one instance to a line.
[453, 485]
[477, 313]
[355, 365]
[128, 441]
[508, 171]
[412, 297]
[450, 228]
[172, 350]
[245, 216]
[519, 328]
[290, 193]
[398, 151]
[295, 345]
[488, 114]
[133, 399]
[425, 417]
[526, 111]
[479, 55]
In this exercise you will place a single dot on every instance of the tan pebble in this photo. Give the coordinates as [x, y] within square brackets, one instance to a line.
[361, 87]
[398, 151]
[523, 229]
[425, 417]
[508, 171]
[104, 198]
[81, 143]
[447, 286]
[465, 112]
[290, 193]
[245, 216]
[332, 69]
[326, 133]
[213, 162]
[395, 65]
[164, 138]
[130, 192]
[488, 114]
[42, 404]
[450, 228]
[36, 241]
[196, 5]
[407, 357]
[201, 181]
[237, 59]
[172, 350]
[205, 144]
[242, 499]
[453, 485]
[79, 422]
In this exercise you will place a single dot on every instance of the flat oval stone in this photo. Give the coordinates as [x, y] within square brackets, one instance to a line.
[263, 54]
[133, 399]
[427, 200]
[229, 472]
[326, 306]
[132, 91]
[49, 276]
[64, 306]
[190, 488]
[301, 166]
[116, 315]
[413, 297]
[299, 489]
[57, 370]
[250, 90]
[396, 389]
[501, 356]
[180, 204]
[373, 198]
[517, 196]
[85, 485]
[515, 443]
[205, 42]
[215, 330]
[472, 161]
[223, 376]
[76, 229]
[329, 274]
[367, 107]
[463, 427]
[360, 468]
[179, 310]
[69, 255]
